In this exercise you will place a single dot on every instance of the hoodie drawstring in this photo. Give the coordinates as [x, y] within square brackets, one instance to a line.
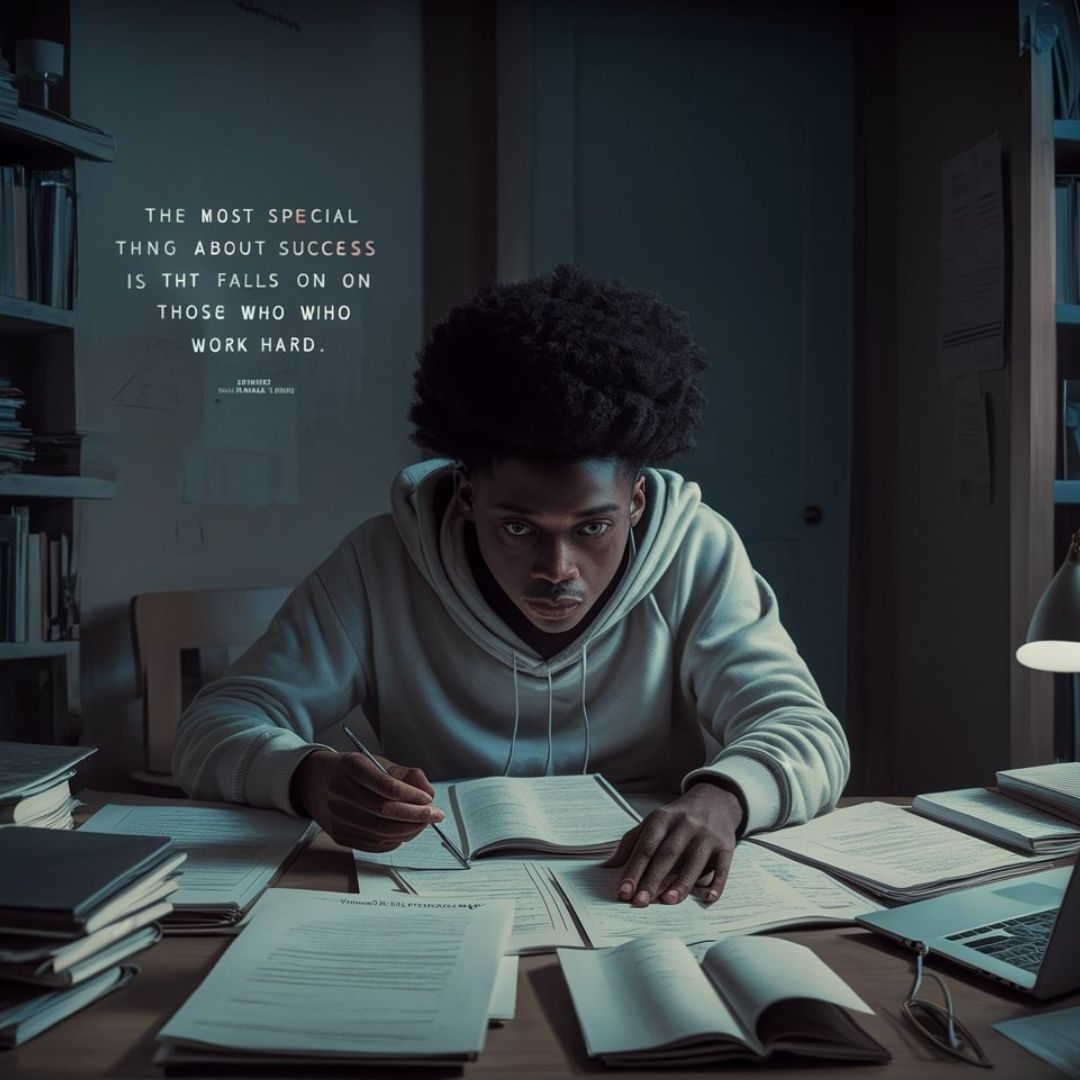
[551, 698]
[584, 710]
[513, 737]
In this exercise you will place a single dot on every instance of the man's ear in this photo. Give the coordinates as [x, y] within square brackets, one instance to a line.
[637, 501]
[463, 493]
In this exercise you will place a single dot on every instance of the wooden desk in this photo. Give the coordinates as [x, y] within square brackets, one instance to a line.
[115, 1036]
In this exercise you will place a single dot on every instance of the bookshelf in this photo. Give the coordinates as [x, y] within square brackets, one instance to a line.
[39, 680]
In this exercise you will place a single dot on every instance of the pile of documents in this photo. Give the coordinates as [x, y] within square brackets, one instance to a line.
[1053, 788]
[391, 982]
[35, 784]
[233, 853]
[79, 907]
[1001, 819]
[893, 853]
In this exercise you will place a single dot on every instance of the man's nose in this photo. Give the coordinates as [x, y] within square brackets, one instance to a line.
[554, 563]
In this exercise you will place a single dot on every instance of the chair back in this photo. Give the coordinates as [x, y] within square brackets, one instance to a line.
[217, 623]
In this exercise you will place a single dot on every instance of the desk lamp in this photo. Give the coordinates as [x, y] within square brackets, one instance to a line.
[1053, 637]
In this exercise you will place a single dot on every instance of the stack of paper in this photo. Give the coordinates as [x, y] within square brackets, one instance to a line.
[79, 906]
[1053, 788]
[321, 978]
[35, 784]
[894, 853]
[1003, 820]
[233, 855]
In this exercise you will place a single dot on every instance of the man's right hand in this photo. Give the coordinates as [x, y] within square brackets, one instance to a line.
[359, 806]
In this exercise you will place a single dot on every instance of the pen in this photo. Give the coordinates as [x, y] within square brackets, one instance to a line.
[447, 842]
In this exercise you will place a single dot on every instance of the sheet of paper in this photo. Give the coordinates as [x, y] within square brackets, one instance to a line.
[1053, 1037]
[755, 897]
[887, 844]
[233, 852]
[565, 811]
[332, 973]
[973, 260]
[542, 920]
[504, 996]
[642, 995]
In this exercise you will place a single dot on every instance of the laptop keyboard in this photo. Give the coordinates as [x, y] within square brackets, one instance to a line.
[1022, 941]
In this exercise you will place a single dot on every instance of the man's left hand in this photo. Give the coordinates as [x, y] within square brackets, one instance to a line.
[678, 844]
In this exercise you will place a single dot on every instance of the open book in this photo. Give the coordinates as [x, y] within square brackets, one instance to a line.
[553, 815]
[649, 1003]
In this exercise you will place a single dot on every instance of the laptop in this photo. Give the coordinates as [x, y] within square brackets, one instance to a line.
[1024, 932]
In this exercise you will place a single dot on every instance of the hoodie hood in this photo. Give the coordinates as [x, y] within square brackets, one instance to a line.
[433, 532]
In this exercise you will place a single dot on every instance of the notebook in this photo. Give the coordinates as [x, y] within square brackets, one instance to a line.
[650, 1004]
[1055, 788]
[74, 883]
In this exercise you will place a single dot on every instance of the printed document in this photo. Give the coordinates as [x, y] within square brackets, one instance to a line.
[762, 891]
[326, 974]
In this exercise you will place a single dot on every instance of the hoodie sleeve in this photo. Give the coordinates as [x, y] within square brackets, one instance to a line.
[781, 748]
[243, 735]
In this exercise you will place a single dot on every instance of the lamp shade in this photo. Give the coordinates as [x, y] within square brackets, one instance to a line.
[1053, 637]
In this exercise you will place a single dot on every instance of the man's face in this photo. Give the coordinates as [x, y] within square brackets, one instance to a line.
[552, 536]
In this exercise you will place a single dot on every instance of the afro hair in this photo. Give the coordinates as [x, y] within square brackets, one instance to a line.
[559, 368]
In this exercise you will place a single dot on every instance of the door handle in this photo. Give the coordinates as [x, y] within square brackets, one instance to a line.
[812, 515]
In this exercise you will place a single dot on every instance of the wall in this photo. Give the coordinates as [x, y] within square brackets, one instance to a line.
[219, 104]
[957, 79]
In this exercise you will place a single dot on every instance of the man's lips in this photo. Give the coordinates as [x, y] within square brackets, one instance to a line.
[553, 610]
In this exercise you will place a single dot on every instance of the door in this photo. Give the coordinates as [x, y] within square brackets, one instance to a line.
[705, 153]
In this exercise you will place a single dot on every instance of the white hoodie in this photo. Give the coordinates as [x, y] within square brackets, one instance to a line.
[394, 623]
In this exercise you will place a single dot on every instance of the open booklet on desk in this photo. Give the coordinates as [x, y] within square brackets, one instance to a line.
[649, 1003]
[551, 815]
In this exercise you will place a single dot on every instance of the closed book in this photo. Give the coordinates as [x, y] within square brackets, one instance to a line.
[65, 877]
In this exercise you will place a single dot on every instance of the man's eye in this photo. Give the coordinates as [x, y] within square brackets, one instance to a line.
[517, 528]
[595, 528]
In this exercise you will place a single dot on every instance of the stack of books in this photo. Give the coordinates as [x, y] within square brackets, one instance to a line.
[35, 784]
[14, 233]
[75, 453]
[37, 582]
[16, 446]
[37, 234]
[80, 906]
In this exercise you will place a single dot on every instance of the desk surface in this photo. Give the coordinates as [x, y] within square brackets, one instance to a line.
[115, 1036]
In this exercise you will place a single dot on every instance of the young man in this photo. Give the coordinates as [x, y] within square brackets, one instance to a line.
[542, 599]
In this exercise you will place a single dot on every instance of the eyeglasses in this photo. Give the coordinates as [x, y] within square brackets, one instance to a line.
[939, 1024]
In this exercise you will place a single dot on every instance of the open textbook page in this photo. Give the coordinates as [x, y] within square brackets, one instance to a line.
[648, 1002]
[763, 891]
[581, 815]
[233, 854]
[553, 815]
[542, 919]
[894, 853]
[324, 976]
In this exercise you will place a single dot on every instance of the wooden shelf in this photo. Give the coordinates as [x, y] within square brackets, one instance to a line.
[36, 130]
[30, 650]
[27, 317]
[29, 486]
